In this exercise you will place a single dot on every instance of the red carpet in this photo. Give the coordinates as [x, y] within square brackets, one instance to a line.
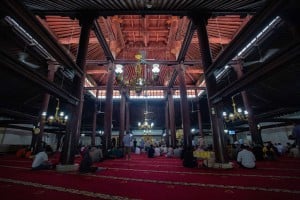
[156, 178]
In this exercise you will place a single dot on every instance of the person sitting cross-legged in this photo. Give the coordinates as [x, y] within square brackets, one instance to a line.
[246, 158]
[41, 161]
[151, 152]
[86, 164]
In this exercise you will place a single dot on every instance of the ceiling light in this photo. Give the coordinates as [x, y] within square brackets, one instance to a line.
[237, 115]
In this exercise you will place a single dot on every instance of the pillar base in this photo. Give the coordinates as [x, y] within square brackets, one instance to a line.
[67, 168]
[228, 165]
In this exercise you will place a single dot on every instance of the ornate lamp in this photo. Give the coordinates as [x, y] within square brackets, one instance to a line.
[59, 118]
[139, 81]
[146, 125]
[155, 71]
[119, 73]
[238, 114]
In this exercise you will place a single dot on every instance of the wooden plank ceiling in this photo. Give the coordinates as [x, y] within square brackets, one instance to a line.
[155, 28]
[158, 36]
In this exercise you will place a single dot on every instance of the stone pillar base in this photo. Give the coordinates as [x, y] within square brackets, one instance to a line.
[67, 168]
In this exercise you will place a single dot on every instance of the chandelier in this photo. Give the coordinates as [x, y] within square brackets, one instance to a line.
[59, 118]
[146, 125]
[138, 82]
[237, 115]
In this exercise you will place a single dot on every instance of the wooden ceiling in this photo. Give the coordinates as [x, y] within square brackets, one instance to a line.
[158, 37]
[159, 29]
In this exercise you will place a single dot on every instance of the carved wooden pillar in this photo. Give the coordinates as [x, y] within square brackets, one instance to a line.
[73, 127]
[108, 107]
[256, 137]
[201, 134]
[185, 114]
[215, 110]
[127, 111]
[122, 116]
[37, 139]
[172, 119]
[167, 124]
[93, 136]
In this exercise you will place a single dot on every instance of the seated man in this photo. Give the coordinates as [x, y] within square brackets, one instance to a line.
[137, 150]
[188, 158]
[156, 151]
[246, 158]
[151, 152]
[41, 161]
[86, 164]
[170, 152]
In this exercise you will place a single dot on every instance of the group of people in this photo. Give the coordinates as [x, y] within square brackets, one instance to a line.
[89, 156]
[244, 156]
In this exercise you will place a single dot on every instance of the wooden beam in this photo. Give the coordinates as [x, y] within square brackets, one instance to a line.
[96, 71]
[32, 75]
[31, 24]
[289, 53]
[246, 34]
[194, 71]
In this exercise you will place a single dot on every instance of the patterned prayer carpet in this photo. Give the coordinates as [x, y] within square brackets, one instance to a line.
[151, 178]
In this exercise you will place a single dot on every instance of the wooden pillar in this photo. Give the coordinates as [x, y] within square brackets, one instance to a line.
[201, 134]
[172, 119]
[167, 124]
[73, 127]
[37, 138]
[108, 107]
[93, 136]
[256, 137]
[215, 110]
[127, 111]
[185, 114]
[122, 116]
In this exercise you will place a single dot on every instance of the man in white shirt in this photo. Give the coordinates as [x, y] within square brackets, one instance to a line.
[40, 161]
[246, 158]
[127, 145]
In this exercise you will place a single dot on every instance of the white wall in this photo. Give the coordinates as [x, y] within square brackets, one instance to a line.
[275, 135]
[16, 137]
[23, 137]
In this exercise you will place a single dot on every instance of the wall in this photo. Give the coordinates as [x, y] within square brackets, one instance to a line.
[15, 137]
[275, 135]
[21, 137]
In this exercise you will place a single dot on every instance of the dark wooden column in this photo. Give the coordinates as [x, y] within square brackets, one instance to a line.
[37, 139]
[127, 111]
[172, 119]
[167, 124]
[93, 136]
[73, 128]
[199, 120]
[185, 114]
[215, 110]
[256, 137]
[122, 116]
[108, 107]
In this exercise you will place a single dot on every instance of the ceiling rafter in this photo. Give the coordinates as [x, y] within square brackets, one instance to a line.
[102, 41]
